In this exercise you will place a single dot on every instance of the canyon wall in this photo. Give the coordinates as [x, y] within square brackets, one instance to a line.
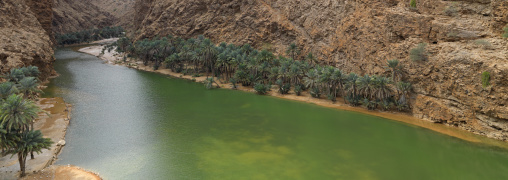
[359, 36]
[26, 35]
[77, 15]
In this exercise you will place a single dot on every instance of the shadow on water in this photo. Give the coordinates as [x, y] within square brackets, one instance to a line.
[128, 124]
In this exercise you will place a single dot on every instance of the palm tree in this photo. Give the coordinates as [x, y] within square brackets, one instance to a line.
[403, 89]
[337, 78]
[293, 51]
[265, 56]
[26, 142]
[6, 89]
[351, 87]
[311, 79]
[17, 113]
[15, 75]
[382, 91]
[208, 54]
[366, 86]
[6, 140]
[32, 71]
[394, 67]
[28, 86]
[311, 59]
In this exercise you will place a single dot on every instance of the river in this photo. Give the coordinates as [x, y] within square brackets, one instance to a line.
[129, 124]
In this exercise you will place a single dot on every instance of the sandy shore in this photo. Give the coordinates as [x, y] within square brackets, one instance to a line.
[114, 58]
[62, 172]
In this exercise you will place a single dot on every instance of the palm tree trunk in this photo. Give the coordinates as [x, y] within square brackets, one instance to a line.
[22, 161]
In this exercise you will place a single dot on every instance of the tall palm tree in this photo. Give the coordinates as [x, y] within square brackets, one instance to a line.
[403, 89]
[394, 67]
[366, 86]
[209, 52]
[352, 90]
[382, 91]
[17, 113]
[30, 141]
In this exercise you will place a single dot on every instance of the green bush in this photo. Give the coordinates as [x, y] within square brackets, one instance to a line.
[209, 83]
[261, 88]
[485, 79]
[283, 87]
[483, 43]
[412, 4]
[315, 92]
[419, 53]
[298, 90]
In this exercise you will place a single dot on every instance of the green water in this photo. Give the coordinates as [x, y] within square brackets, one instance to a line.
[128, 124]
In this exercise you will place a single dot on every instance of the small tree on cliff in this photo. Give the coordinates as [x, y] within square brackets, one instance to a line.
[419, 53]
[412, 4]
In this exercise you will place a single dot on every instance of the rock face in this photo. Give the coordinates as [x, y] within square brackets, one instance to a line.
[360, 36]
[25, 35]
[122, 10]
[72, 16]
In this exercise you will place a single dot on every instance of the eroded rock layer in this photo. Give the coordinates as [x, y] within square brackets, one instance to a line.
[25, 35]
[360, 36]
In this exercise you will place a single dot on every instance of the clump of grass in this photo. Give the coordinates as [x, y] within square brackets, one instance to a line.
[451, 10]
[419, 53]
[485, 79]
[483, 43]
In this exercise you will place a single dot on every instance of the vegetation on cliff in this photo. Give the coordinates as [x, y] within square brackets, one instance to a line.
[505, 31]
[17, 115]
[262, 69]
[90, 35]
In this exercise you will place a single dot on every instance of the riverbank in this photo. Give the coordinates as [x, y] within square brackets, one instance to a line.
[113, 58]
[62, 172]
[53, 122]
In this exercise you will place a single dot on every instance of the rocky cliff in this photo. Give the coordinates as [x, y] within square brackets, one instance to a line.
[359, 36]
[25, 35]
[72, 16]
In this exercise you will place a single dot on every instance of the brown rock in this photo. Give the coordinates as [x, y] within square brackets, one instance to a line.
[359, 36]
[25, 37]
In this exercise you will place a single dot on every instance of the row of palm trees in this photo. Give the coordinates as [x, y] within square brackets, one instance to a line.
[17, 115]
[262, 69]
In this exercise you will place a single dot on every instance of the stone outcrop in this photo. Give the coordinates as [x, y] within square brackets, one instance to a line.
[360, 36]
[25, 35]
